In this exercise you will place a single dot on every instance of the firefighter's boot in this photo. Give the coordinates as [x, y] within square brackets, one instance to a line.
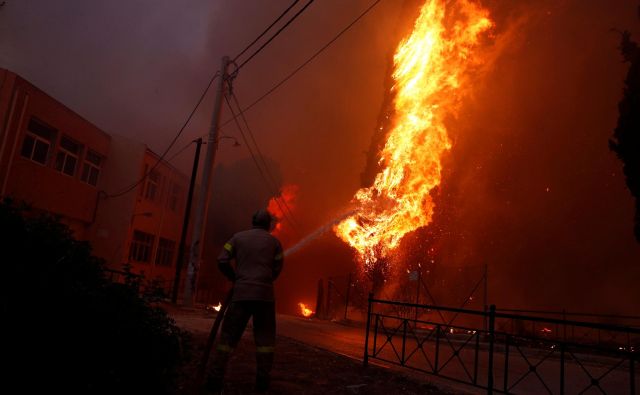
[264, 362]
[215, 381]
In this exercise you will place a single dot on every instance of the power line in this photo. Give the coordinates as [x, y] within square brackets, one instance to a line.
[260, 170]
[260, 155]
[255, 161]
[166, 151]
[294, 72]
[275, 35]
[266, 30]
[161, 158]
[259, 99]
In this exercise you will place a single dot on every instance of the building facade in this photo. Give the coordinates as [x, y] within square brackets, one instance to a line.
[139, 221]
[111, 191]
[50, 157]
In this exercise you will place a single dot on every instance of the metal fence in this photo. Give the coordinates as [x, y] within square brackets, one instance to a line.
[486, 349]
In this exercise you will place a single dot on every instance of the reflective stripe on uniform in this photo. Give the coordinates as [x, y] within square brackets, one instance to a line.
[278, 257]
[265, 349]
[228, 247]
[224, 348]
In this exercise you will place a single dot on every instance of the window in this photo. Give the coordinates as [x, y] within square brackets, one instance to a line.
[152, 185]
[141, 245]
[37, 141]
[166, 251]
[67, 156]
[91, 168]
[174, 197]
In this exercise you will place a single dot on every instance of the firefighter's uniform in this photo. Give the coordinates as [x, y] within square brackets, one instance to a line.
[259, 259]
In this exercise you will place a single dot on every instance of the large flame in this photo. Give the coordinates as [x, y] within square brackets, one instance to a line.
[431, 69]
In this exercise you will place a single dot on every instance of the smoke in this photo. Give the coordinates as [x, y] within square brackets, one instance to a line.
[529, 188]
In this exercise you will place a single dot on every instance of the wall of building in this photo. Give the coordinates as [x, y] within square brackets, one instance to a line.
[160, 203]
[49, 179]
[115, 209]
[60, 163]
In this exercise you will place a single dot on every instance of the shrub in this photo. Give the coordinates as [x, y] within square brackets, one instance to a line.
[66, 328]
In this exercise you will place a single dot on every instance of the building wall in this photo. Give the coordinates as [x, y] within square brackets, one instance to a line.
[114, 210]
[35, 177]
[159, 214]
[44, 149]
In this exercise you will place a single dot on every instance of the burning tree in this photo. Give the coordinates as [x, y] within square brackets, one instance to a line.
[626, 137]
[431, 71]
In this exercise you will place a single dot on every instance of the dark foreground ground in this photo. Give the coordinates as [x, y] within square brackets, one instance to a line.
[298, 368]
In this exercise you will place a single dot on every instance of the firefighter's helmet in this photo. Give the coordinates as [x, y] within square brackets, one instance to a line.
[262, 219]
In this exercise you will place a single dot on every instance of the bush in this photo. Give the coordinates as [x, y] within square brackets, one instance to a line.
[66, 328]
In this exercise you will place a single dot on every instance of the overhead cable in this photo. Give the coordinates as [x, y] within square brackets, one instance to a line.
[294, 72]
[260, 155]
[266, 30]
[293, 18]
[270, 188]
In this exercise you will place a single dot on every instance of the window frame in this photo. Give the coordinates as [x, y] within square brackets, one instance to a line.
[67, 154]
[152, 186]
[38, 137]
[88, 167]
[141, 248]
[165, 254]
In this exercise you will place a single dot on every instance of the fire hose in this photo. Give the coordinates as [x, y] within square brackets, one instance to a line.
[202, 367]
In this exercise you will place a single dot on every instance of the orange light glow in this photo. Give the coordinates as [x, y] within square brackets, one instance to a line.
[431, 72]
[304, 310]
[281, 205]
[218, 307]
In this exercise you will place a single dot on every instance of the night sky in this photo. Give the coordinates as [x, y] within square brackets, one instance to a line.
[530, 187]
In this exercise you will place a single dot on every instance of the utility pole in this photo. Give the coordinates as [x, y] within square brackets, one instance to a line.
[200, 215]
[185, 223]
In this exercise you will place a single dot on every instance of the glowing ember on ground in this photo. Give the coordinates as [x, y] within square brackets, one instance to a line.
[431, 76]
[304, 310]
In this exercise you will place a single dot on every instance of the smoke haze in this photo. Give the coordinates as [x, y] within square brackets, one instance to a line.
[530, 187]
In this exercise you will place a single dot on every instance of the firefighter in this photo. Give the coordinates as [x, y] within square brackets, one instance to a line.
[258, 261]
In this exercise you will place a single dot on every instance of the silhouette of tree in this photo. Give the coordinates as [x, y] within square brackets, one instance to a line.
[626, 137]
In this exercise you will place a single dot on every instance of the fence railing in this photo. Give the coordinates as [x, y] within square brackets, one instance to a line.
[477, 348]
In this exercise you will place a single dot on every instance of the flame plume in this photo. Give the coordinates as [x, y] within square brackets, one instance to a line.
[430, 71]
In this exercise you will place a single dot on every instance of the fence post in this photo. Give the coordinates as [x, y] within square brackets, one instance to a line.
[492, 324]
[632, 372]
[404, 341]
[562, 358]
[346, 299]
[435, 364]
[366, 336]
